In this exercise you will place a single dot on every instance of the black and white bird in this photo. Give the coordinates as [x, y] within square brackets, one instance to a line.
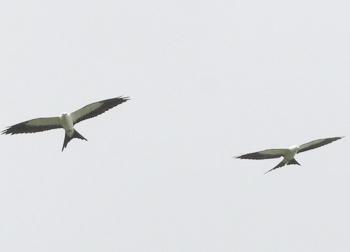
[288, 154]
[66, 120]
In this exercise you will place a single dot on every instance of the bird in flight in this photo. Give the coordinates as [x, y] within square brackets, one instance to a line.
[66, 120]
[288, 154]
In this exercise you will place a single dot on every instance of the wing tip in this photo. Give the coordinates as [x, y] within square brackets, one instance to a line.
[124, 98]
[7, 131]
[336, 138]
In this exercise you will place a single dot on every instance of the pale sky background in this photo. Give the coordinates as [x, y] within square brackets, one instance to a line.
[208, 80]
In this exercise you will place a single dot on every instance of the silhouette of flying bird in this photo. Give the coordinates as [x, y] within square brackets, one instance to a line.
[66, 120]
[288, 154]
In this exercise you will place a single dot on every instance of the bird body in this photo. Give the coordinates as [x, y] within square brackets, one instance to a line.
[66, 121]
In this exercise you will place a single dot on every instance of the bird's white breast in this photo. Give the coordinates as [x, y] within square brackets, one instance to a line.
[67, 122]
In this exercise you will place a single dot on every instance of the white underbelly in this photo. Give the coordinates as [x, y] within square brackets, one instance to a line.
[290, 155]
[67, 122]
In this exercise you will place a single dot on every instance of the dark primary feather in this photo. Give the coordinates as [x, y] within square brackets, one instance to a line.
[107, 104]
[317, 143]
[26, 127]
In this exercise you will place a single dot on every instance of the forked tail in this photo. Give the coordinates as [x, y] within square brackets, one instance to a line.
[283, 163]
[67, 138]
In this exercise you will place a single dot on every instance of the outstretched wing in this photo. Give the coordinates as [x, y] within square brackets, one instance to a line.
[34, 125]
[97, 108]
[317, 143]
[265, 154]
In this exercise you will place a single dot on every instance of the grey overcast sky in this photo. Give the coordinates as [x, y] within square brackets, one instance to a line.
[208, 80]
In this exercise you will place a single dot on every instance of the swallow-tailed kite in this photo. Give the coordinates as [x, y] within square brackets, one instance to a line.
[66, 120]
[288, 154]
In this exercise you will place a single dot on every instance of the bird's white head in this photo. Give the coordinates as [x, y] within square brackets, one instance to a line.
[64, 116]
[294, 148]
